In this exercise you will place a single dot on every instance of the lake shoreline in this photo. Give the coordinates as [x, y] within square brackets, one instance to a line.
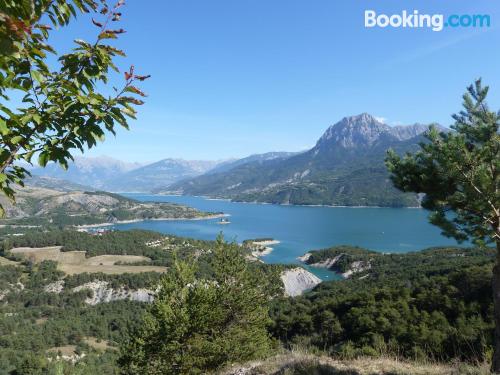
[268, 203]
[107, 224]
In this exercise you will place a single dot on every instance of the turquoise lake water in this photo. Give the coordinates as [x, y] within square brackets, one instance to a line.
[301, 228]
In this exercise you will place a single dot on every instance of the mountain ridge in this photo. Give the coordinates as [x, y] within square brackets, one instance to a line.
[345, 167]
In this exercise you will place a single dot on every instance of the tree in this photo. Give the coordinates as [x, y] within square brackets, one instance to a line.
[199, 325]
[62, 106]
[458, 171]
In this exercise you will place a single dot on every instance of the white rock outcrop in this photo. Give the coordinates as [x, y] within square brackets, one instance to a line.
[102, 293]
[298, 280]
[328, 263]
[55, 287]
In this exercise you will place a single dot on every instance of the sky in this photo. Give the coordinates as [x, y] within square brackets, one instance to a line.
[230, 78]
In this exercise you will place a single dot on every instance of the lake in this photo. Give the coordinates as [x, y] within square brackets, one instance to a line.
[302, 228]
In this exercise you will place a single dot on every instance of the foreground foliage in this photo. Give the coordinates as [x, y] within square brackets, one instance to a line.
[63, 105]
[198, 325]
[459, 172]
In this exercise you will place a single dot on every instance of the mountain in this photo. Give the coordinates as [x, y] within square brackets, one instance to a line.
[345, 167]
[93, 171]
[110, 174]
[228, 165]
[155, 175]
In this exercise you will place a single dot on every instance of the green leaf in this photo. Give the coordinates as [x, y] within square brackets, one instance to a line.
[4, 129]
[37, 76]
[15, 140]
[43, 159]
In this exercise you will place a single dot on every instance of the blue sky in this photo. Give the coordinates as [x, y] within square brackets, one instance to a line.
[236, 77]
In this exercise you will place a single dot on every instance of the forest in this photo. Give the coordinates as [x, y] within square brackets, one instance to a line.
[433, 304]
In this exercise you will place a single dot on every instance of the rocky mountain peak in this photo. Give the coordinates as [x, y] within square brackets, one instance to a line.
[354, 131]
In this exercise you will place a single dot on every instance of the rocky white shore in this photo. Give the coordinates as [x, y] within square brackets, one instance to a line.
[298, 280]
[355, 267]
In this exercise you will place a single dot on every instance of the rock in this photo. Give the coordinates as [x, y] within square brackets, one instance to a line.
[298, 280]
[101, 293]
[304, 258]
[55, 287]
[327, 263]
[357, 266]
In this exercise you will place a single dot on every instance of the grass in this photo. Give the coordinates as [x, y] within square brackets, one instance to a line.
[97, 344]
[74, 262]
[300, 363]
[7, 262]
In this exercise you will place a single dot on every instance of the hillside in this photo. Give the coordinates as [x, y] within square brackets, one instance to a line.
[38, 205]
[274, 155]
[55, 184]
[345, 167]
[436, 303]
[426, 312]
[302, 363]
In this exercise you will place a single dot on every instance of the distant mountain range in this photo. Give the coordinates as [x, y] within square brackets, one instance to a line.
[345, 167]
[153, 176]
[95, 172]
[105, 173]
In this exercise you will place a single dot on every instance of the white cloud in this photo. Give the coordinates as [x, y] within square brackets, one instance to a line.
[381, 119]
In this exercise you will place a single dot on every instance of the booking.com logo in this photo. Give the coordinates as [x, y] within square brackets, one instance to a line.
[435, 22]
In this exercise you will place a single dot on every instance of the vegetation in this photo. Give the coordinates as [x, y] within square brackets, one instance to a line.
[33, 320]
[345, 255]
[56, 209]
[459, 172]
[199, 325]
[430, 304]
[64, 104]
[133, 242]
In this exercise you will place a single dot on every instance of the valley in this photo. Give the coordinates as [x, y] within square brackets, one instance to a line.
[351, 265]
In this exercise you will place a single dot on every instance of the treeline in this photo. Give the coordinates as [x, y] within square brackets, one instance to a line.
[131, 281]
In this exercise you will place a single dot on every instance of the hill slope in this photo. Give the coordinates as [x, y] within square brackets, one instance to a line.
[38, 205]
[345, 167]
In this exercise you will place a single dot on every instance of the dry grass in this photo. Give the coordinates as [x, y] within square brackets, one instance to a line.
[7, 262]
[41, 321]
[74, 262]
[98, 344]
[306, 364]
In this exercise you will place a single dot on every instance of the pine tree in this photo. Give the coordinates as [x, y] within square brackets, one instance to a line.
[199, 325]
[459, 172]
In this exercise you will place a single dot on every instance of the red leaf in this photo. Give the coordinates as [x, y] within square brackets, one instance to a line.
[98, 24]
[142, 78]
